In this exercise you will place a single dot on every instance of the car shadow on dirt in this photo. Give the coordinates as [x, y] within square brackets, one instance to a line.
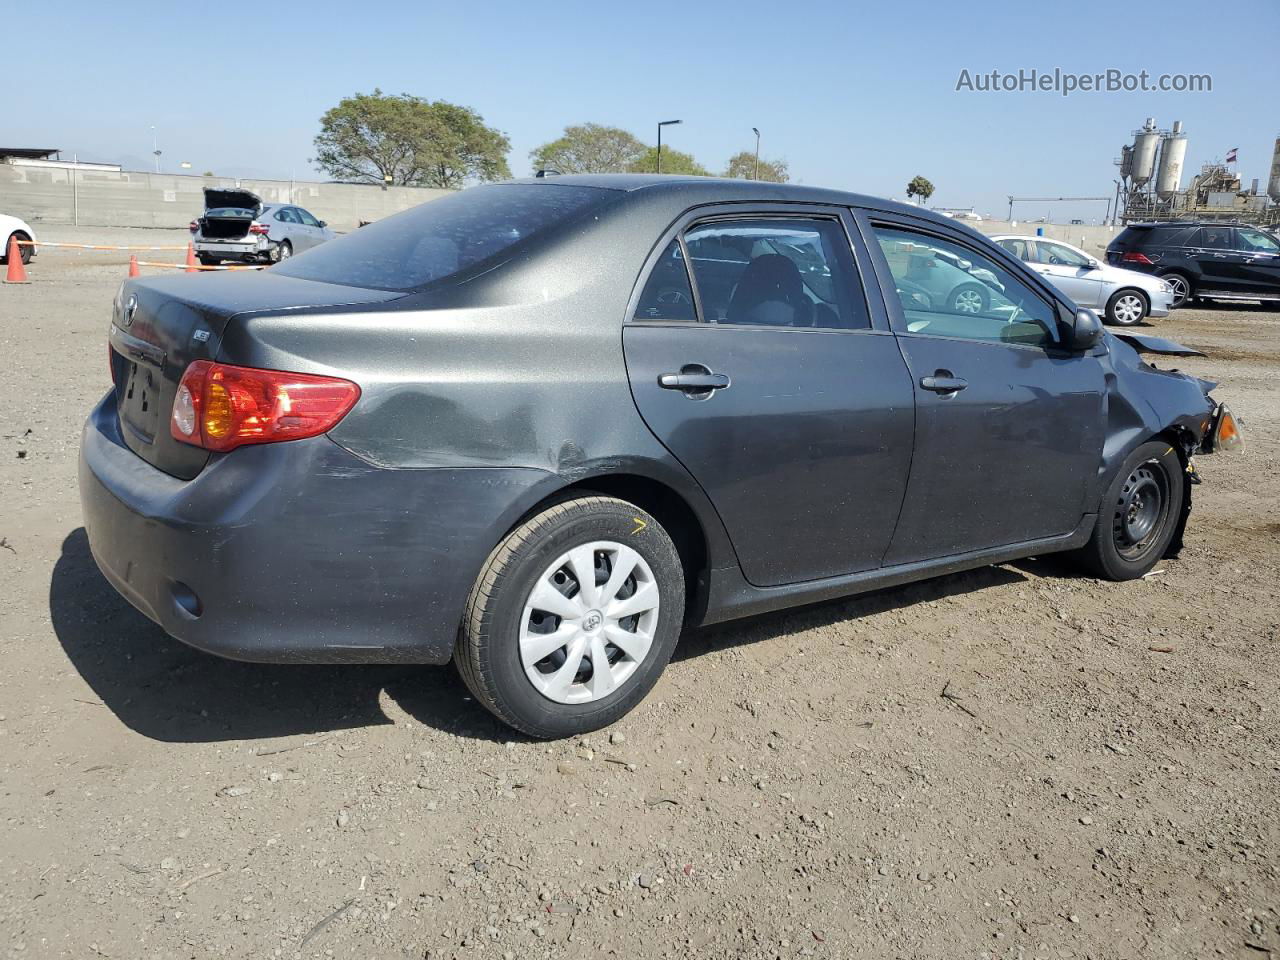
[167, 691]
[768, 626]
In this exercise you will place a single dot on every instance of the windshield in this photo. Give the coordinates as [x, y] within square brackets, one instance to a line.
[443, 237]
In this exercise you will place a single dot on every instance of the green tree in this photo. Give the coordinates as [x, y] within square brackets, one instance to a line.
[589, 148]
[673, 161]
[920, 187]
[407, 140]
[742, 166]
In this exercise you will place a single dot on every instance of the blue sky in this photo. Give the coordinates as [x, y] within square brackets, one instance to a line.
[853, 95]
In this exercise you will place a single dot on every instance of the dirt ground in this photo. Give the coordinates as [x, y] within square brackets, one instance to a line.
[1100, 778]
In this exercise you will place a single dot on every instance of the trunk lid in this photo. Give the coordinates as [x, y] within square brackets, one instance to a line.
[228, 214]
[161, 325]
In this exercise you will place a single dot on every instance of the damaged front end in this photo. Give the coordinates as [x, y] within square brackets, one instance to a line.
[1179, 408]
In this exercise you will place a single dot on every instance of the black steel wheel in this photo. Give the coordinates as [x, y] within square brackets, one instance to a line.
[1138, 513]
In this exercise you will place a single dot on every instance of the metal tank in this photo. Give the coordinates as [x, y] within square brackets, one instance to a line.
[1273, 185]
[1145, 142]
[1126, 162]
[1172, 155]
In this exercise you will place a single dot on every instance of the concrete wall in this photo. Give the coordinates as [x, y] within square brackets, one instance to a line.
[134, 199]
[1091, 239]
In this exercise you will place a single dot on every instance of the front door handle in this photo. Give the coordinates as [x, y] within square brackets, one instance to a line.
[943, 382]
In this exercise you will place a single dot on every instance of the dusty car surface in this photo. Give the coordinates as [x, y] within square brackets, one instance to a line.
[538, 427]
[1124, 297]
[237, 225]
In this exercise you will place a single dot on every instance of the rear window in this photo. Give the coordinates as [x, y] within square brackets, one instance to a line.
[444, 237]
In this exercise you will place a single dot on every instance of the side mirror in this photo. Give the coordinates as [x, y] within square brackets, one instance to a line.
[1093, 264]
[1086, 331]
[324, 223]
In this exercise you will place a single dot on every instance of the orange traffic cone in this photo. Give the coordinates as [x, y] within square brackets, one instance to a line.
[133, 265]
[17, 272]
[191, 259]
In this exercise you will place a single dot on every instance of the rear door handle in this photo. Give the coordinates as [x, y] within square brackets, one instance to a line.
[943, 384]
[705, 380]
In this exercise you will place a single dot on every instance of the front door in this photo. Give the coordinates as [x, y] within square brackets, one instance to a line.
[1211, 247]
[1009, 428]
[1259, 262]
[778, 387]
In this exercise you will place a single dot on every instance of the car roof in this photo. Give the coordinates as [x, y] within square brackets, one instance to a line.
[721, 189]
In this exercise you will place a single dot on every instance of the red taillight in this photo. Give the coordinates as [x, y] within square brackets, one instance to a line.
[193, 226]
[261, 228]
[220, 407]
[1134, 257]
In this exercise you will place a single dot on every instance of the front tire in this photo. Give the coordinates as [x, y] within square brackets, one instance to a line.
[573, 618]
[25, 253]
[1138, 514]
[1127, 308]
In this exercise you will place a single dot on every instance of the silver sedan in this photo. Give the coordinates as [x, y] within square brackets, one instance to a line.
[1123, 297]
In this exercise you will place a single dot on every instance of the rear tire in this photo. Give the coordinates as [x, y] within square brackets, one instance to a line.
[1127, 308]
[281, 251]
[1183, 290]
[1138, 514]
[529, 595]
[208, 261]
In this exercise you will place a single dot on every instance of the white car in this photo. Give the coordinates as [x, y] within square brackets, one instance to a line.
[12, 227]
[1122, 297]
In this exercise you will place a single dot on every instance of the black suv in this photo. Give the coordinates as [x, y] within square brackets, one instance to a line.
[1214, 261]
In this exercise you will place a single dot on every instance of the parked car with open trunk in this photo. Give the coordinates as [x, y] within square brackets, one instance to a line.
[237, 225]
[539, 427]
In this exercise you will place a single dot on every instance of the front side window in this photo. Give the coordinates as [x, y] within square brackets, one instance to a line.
[1255, 241]
[948, 290]
[784, 272]
[1057, 255]
[1214, 238]
[307, 219]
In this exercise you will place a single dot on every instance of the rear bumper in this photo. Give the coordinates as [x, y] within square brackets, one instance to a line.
[232, 249]
[296, 552]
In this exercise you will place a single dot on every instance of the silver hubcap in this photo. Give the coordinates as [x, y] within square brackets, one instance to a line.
[1128, 309]
[968, 301]
[1179, 288]
[588, 622]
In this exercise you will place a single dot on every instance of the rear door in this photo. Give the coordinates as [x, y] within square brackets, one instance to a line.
[1211, 247]
[1009, 426]
[781, 389]
[1071, 272]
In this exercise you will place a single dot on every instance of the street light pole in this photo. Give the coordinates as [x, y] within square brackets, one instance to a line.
[755, 174]
[661, 124]
[155, 146]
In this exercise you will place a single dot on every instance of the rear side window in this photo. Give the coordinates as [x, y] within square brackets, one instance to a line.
[443, 237]
[780, 272]
[1017, 247]
[667, 294]
[1213, 238]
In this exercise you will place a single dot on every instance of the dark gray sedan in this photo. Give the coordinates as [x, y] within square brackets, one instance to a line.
[539, 427]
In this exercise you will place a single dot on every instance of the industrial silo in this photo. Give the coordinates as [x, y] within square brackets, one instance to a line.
[1273, 185]
[1126, 162]
[1172, 154]
[1145, 142]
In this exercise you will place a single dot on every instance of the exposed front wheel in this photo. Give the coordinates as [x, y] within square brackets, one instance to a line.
[25, 251]
[1126, 308]
[1138, 514]
[573, 618]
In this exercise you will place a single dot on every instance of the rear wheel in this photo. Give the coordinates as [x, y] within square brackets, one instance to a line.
[969, 298]
[573, 618]
[1182, 289]
[1138, 514]
[281, 251]
[1126, 308]
[207, 260]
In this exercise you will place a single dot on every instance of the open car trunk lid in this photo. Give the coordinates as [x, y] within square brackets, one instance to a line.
[161, 325]
[228, 214]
